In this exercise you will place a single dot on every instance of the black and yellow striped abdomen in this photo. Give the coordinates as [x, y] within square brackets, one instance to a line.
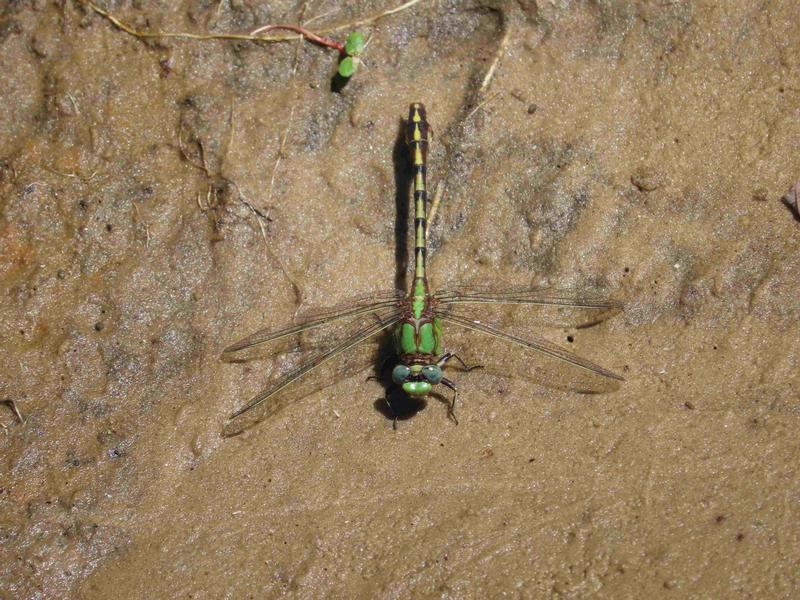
[417, 137]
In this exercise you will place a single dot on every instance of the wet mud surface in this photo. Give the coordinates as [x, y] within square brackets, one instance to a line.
[161, 198]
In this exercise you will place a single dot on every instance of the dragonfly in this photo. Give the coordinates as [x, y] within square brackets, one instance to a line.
[415, 320]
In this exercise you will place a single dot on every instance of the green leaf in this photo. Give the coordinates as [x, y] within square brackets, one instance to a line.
[354, 44]
[348, 66]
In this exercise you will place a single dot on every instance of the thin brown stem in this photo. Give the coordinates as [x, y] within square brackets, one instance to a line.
[120, 24]
[14, 408]
[309, 35]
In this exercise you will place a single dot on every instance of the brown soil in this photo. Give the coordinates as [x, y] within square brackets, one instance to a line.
[150, 214]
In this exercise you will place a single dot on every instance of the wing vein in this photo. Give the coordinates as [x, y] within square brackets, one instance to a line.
[266, 335]
[315, 361]
[526, 296]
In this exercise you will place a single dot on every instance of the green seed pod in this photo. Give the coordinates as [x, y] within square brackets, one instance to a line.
[354, 44]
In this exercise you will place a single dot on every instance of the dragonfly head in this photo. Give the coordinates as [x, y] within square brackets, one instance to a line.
[417, 380]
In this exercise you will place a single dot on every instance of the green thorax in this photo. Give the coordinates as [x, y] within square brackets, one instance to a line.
[418, 333]
[418, 339]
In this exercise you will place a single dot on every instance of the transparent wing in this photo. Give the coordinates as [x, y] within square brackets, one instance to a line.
[564, 306]
[548, 364]
[294, 384]
[357, 307]
[525, 295]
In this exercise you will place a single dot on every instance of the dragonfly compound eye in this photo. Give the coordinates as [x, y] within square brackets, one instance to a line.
[400, 373]
[433, 373]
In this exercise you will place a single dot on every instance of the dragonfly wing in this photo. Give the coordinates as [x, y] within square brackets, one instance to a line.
[553, 366]
[564, 305]
[358, 307]
[545, 296]
[295, 384]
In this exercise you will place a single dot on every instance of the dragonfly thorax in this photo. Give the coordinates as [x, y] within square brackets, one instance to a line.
[417, 336]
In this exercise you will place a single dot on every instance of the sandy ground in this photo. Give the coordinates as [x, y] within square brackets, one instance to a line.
[161, 198]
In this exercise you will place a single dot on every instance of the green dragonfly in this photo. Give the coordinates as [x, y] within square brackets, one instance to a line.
[416, 319]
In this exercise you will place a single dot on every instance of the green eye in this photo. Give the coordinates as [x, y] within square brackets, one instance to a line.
[354, 44]
[400, 373]
[432, 373]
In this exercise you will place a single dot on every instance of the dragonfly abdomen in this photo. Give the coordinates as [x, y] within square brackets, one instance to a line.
[417, 131]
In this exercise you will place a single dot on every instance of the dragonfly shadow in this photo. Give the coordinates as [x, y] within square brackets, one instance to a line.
[402, 406]
[793, 208]
[338, 83]
[402, 185]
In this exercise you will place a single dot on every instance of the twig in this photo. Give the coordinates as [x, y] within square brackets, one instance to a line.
[74, 104]
[471, 97]
[437, 198]
[226, 147]
[259, 216]
[237, 36]
[182, 35]
[792, 200]
[217, 13]
[186, 156]
[242, 198]
[320, 16]
[14, 408]
[310, 35]
[482, 104]
[146, 226]
[77, 176]
[373, 18]
[497, 56]
[280, 152]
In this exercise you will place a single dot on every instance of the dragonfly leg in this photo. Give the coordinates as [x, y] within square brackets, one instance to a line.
[381, 368]
[389, 405]
[451, 407]
[448, 355]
